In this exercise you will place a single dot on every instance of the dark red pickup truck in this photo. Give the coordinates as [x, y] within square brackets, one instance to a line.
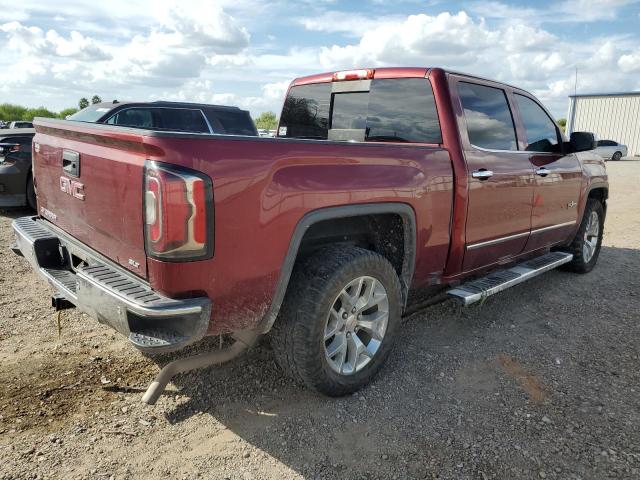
[382, 183]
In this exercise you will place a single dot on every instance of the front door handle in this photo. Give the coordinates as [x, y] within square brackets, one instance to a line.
[482, 174]
[543, 172]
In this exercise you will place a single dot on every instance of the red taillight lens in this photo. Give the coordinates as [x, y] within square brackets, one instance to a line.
[178, 209]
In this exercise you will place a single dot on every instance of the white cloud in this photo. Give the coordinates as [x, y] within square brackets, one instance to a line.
[566, 11]
[630, 63]
[34, 41]
[334, 21]
[530, 57]
[245, 52]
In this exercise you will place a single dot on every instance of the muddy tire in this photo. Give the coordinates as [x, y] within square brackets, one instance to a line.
[585, 247]
[339, 319]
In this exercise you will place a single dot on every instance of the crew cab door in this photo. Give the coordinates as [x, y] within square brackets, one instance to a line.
[500, 176]
[558, 177]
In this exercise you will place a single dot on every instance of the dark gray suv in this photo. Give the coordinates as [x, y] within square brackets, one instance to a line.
[16, 182]
[173, 116]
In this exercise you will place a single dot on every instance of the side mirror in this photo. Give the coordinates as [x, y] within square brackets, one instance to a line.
[583, 141]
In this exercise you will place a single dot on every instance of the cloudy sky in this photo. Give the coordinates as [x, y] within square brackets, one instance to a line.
[245, 52]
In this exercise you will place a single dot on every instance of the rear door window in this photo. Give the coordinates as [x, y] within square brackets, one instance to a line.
[541, 131]
[488, 116]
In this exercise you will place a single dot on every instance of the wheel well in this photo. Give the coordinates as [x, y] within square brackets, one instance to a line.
[386, 228]
[600, 194]
[382, 233]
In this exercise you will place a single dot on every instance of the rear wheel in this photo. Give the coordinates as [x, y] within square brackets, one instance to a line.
[585, 247]
[616, 156]
[339, 320]
[31, 193]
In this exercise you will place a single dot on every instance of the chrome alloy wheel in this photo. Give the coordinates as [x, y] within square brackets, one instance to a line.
[356, 325]
[591, 237]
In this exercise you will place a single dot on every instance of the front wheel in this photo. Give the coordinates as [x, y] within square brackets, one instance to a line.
[339, 319]
[586, 245]
[616, 156]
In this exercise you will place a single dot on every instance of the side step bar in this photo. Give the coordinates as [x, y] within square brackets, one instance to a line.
[495, 282]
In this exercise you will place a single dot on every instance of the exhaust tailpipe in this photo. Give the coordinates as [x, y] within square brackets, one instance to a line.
[244, 340]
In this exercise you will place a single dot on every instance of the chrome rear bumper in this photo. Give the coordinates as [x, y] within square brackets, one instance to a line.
[107, 292]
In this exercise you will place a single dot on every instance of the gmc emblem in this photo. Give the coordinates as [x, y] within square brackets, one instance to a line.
[71, 187]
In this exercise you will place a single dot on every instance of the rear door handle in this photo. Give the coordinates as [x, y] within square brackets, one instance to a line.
[482, 174]
[543, 172]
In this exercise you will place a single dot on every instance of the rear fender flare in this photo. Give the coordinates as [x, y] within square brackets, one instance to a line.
[408, 265]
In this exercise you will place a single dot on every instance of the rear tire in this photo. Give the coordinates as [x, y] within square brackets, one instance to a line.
[32, 202]
[339, 319]
[585, 246]
[616, 156]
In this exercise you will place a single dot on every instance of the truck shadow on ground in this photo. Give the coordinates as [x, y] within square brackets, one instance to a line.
[477, 392]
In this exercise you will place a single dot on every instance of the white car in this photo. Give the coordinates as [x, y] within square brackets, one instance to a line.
[608, 149]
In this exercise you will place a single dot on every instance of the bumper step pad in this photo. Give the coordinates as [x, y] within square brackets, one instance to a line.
[474, 291]
[109, 293]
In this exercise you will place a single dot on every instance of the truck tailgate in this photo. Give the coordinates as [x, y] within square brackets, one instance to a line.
[89, 181]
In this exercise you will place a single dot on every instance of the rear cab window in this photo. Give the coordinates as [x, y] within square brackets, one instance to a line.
[488, 116]
[380, 110]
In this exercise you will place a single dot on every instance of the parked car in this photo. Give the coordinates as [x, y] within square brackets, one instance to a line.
[382, 183]
[173, 116]
[20, 124]
[611, 150]
[16, 181]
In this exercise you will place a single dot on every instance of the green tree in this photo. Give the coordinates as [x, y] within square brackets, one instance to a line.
[267, 120]
[83, 103]
[562, 123]
[39, 112]
[95, 99]
[10, 112]
[66, 112]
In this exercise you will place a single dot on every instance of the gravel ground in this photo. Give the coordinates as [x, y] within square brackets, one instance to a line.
[542, 381]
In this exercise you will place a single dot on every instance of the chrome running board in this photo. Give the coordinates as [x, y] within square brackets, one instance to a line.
[476, 290]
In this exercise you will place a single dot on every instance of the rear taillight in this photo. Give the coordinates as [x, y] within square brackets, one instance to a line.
[178, 213]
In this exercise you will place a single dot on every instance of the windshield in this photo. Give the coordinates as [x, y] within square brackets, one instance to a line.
[90, 114]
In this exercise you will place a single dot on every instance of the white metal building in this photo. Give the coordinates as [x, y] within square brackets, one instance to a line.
[611, 116]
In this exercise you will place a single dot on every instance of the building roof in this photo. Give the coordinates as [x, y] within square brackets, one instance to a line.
[611, 94]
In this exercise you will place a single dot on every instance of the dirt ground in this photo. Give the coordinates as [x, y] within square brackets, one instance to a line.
[541, 381]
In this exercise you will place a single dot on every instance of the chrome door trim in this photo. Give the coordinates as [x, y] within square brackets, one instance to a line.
[473, 246]
[553, 227]
[495, 241]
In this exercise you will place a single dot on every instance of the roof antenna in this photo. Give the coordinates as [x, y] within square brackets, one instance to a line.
[575, 84]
